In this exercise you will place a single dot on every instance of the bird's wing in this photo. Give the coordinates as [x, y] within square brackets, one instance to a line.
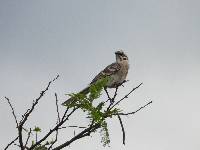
[109, 70]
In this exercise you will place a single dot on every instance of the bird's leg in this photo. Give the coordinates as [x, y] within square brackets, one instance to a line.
[113, 99]
[109, 98]
[105, 89]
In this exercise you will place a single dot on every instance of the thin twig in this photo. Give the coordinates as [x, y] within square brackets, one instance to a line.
[28, 137]
[116, 89]
[81, 127]
[61, 119]
[29, 111]
[36, 137]
[112, 100]
[122, 126]
[13, 111]
[65, 113]
[54, 129]
[82, 134]
[109, 98]
[126, 96]
[11, 143]
[131, 113]
[56, 139]
[57, 108]
[58, 121]
[35, 102]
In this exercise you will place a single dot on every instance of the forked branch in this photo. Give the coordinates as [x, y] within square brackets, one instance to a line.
[97, 114]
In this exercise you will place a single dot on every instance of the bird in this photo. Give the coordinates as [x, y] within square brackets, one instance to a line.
[117, 73]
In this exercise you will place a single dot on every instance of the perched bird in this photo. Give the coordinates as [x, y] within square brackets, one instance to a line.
[116, 71]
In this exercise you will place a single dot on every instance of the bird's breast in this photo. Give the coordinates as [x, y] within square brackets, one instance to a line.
[119, 77]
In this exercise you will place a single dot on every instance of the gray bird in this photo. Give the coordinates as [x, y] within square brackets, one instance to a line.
[116, 72]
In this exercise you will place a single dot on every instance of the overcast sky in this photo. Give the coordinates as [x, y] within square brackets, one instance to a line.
[77, 38]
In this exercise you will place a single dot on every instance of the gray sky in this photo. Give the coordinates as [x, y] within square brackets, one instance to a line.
[77, 39]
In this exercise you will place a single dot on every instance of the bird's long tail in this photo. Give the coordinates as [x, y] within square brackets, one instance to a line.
[70, 100]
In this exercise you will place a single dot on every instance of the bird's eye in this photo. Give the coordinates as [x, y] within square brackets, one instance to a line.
[124, 58]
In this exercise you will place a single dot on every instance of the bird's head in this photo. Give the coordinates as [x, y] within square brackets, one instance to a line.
[121, 56]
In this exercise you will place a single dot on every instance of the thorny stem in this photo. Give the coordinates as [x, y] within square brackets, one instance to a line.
[61, 120]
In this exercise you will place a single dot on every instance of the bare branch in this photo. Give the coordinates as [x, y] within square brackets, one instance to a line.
[131, 113]
[54, 129]
[81, 127]
[109, 98]
[28, 137]
[56, 139]
[126, 96]
[36, 137]
[35, 102]
[12, 142]
[13, 111]
[62, 118]
[29, 111]
[116, 89]
[122, 126]
[82, 134]
[65, 113]
[57, 108]
[58, 121]
[112, 100]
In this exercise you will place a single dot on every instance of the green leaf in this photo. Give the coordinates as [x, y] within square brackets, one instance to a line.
[105, 139]
[37, 129]
[96, 88]
[96, 113]
[41, 147]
